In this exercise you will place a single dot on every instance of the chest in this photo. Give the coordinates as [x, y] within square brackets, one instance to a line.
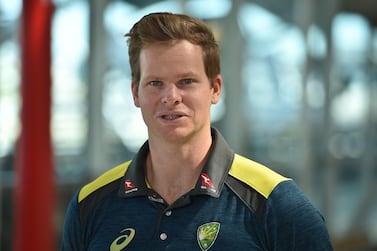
[205, 223]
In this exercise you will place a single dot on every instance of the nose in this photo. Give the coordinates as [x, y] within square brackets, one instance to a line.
[171, 95]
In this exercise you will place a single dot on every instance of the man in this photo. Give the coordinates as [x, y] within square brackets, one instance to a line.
[186, 189]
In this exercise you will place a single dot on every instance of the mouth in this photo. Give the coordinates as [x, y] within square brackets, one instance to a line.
[171, 116]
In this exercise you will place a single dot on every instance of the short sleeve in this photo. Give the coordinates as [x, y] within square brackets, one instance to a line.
[293, 223]
[72, 234]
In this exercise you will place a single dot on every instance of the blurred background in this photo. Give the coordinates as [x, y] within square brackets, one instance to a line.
[300, 78]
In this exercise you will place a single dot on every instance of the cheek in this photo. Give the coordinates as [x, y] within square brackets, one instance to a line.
[147, 103]
[200, 105]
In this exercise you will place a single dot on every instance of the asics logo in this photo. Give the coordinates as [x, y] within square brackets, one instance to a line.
[123, 240]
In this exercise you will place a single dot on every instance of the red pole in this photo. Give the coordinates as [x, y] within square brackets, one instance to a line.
[35, 190]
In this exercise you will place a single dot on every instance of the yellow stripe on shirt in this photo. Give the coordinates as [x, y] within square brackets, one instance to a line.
[106, 178]
[259, 177]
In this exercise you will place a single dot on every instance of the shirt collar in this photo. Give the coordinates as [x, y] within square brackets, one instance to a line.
[211, 179]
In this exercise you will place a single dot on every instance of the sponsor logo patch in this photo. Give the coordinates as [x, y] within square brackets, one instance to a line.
[123, 240]
[129, 186]
[207, 183]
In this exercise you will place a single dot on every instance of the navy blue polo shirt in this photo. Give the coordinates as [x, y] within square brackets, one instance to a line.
[236, 204]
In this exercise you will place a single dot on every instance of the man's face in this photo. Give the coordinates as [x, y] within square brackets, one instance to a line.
[174, 93]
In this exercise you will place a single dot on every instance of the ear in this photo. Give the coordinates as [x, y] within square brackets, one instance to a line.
[135, 94]
[217, 83]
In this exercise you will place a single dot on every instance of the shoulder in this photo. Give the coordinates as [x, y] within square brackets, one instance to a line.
[94, 192]
[253, 183]
[289, 216]
[293, 221]
[259, 177]
[104, 180]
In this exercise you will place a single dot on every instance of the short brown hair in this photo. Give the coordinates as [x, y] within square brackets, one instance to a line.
[166, 27]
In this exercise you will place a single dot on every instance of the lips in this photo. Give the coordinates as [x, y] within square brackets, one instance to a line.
[171, 116]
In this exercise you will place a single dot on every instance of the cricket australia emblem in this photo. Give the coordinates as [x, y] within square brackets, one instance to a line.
[207, 235]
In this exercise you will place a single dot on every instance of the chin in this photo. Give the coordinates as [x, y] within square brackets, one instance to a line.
[177, 134]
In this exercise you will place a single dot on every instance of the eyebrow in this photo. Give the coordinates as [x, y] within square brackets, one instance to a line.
[188, 74]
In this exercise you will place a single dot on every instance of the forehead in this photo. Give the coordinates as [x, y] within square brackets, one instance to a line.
[172, 55]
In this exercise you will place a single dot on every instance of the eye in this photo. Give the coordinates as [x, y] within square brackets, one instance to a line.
[187, 81]
[155, 83]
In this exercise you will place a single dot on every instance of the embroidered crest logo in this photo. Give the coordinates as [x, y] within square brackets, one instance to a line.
[207, 234]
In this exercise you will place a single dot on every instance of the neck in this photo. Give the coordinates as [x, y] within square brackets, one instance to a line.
[172, 170]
